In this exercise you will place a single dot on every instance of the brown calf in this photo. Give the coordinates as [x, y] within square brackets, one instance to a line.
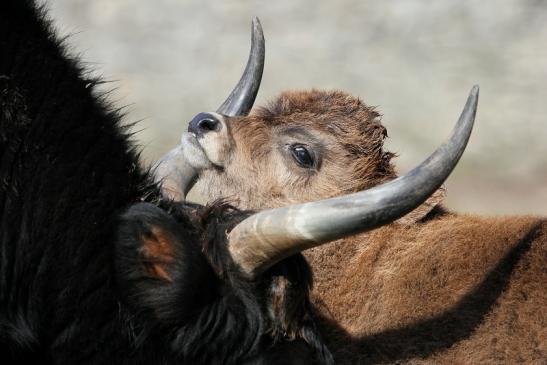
[433, 287]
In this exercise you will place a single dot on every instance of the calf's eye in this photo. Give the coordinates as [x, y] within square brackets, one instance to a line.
[302, 156]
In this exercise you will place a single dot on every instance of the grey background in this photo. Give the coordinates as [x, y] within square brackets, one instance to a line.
[414, 60]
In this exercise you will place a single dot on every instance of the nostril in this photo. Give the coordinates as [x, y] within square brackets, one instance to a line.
[204, 123]
[208, 124]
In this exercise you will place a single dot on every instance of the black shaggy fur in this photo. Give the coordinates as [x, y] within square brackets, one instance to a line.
[94, 267]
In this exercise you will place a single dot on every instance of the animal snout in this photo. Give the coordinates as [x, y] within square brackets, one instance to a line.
[204, 123]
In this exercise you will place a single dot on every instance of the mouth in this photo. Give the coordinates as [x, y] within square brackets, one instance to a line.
[178, 170]
[197, 153]
[194, 152]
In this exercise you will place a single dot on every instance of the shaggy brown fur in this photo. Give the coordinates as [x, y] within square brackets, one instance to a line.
[453, 290]
[435, 287]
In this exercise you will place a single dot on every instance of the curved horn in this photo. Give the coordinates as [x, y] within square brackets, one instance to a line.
[267, 237]
[174, 174]
[241, 99]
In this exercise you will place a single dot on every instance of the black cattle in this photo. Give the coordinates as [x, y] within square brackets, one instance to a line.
[94, 267]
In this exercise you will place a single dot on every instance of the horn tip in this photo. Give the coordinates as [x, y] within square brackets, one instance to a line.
[472, 101]
[475, 90]
[257, 28]
[256, 23]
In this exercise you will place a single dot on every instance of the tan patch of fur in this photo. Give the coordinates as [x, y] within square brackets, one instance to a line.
[278, 306]
[158, 250]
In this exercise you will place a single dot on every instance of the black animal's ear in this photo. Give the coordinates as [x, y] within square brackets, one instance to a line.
[148, 242]
[159, 262]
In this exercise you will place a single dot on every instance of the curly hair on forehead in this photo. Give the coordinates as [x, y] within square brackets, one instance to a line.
[334, 102]
[355, 125]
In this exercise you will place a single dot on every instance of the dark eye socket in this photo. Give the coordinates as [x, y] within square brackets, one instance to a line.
[301, 155]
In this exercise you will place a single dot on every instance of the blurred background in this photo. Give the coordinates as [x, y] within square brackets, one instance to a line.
[415, 61]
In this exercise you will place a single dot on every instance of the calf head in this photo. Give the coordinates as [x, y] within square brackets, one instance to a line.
[303, 146]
